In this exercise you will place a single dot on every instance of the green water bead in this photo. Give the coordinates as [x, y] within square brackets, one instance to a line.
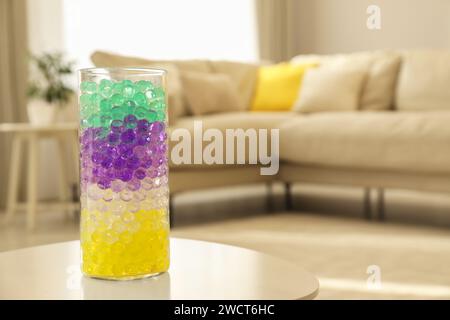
[106, 120]
[143, 86]
[140, 113]
[117, 100]
[118, 113]
[96, 100]
[159, 92]
[128, 91]
[105, 106]
[117, 88]
[85, 100]
[140, 99]
[94, 121]
[151, 116]
[106, 88]
[161, 116]
[88, 87]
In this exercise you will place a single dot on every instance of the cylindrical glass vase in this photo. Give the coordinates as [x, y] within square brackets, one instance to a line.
[124, 173]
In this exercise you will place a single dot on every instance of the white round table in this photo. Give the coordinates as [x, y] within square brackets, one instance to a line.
[199, 271]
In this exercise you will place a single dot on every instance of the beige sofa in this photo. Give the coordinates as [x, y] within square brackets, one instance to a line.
[398, 138]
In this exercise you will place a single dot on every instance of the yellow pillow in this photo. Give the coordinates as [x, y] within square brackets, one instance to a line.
[278, 86]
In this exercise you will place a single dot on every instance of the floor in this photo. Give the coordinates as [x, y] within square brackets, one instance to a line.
[353, 258]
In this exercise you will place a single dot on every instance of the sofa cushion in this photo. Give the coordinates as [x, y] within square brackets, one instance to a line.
[232, 120]
[244, 75]
[330, 88]
[410, 142]
[278, 86]
[209, 93]
[424, 81]
[382, 67]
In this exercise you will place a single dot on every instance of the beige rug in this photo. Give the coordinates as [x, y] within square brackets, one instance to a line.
[413, 262]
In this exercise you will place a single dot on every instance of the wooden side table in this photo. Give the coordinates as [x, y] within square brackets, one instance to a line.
[31, 135]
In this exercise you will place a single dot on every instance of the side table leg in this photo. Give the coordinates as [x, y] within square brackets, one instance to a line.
[14, 176]
[33, 154]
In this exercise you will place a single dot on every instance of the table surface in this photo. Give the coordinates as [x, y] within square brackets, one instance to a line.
[199, 271]
[28, 127]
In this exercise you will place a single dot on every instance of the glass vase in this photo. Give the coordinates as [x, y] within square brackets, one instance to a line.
[124, 173]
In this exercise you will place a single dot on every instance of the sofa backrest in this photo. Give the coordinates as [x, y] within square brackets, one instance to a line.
[424, 81]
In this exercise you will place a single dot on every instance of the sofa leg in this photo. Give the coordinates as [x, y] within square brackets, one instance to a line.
[367, 204]
[381, 205]
[288, 196]
[269, 197]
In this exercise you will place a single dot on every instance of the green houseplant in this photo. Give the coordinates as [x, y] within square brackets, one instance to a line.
[48, 89]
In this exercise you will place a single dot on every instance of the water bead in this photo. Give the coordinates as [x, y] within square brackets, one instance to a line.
[119, 163]
[128, 136]
[128, 91]
[140, 99]
[107, 162]
[144, 85]
[117, 113]
[157, 127]
[117, 100]
[140, 151]
[96, 99]
[125, 175]
[128, 217]
[88, 87]
[150, 95]
[134, 185]
[126, 195]
[113, 138]
[106, 88]
[140, 174]
[85, 100]
[161, 116]
[131, 121]
[143, 125]
[105, 120]
[104, 184]
[133, 162]
[146, 162]
[141, 113]
[133, 206]
[116, 126]
[117, 186]
[97, 157]
[151, 115]
[105, 106]
[159, 92]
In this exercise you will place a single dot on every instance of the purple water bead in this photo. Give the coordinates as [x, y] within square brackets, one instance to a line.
[97, 157]
[104, 183]
[114, 138]
[133, 162]
[146, 162]
[128, 136]
[140, 174]
[142, 140]
[119, 163]
[140, 151]
[143, 125]
[125, 175]
[107, 162]
[157, 127]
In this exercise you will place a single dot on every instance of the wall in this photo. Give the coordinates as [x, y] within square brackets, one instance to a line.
[331, 26]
